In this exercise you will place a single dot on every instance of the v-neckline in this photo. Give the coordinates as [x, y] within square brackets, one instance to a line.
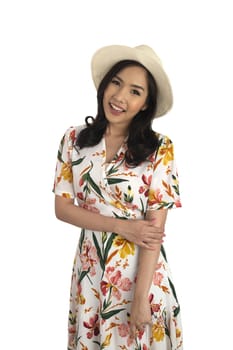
[116, 155]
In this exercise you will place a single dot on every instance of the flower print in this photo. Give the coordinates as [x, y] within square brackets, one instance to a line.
[178, 333]
[157, 278]
[166, 151]
[144, 347]
[158, 331]
[123, 329]
[66, 195]
[66, 172]
[118, 158]
[93, 326]
[106, 341]
[88, 204]
[84, 347]
[115, 283]
[155, 308]
[80, 196]
[178, 204]
[154, 197]
[79, 296]
[101, 154]
[88, 257]
[72, 136]
[126, 247]
[146, 185]
[118, 204]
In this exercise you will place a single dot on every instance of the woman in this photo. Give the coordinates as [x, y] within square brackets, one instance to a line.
[116, 179]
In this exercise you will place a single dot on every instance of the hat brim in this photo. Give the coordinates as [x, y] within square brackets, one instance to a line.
[106, 57]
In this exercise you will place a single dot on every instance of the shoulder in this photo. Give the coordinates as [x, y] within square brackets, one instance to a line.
[163, 140]
[72, 133]
[164, 147]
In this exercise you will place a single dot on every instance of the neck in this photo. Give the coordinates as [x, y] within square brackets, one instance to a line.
[116, 131]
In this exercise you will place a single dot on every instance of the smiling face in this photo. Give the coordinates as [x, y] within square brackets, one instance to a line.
[125, 96]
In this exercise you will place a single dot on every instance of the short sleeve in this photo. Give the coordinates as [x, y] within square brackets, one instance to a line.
[164, 189]
[63, 181]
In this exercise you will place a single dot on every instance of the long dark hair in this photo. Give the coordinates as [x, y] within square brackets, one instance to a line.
[142, 140]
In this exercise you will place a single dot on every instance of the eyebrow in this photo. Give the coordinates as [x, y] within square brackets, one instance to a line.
[133, 85]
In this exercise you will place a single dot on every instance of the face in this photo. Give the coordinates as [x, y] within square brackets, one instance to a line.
[125, 96]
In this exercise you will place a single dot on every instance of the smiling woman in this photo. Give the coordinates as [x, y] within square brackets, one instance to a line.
[116, 178]
[124, 97]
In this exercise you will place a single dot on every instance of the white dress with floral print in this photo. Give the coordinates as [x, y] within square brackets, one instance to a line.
[105, 264]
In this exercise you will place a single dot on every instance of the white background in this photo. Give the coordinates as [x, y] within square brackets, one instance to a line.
[45, 87]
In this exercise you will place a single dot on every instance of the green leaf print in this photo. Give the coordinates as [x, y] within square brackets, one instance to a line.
[83, 274]
[108, 246]
[59, 156]
[81, 239]
[109, 314]
[113, 181]
[103, 255]
[93, 185]
[78, 161]
[176, 311]
[163, 253]
[98, 250]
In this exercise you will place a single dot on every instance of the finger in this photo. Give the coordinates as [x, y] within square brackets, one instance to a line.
[133, 331]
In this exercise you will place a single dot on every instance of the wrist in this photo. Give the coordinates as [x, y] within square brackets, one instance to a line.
[118, 226]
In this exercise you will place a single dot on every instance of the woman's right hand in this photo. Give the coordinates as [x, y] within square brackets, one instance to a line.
[144, 233]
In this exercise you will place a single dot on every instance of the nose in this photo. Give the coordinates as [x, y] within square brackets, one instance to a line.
[120, 95]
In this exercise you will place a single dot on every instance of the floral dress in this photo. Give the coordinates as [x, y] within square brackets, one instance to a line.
[105, 264]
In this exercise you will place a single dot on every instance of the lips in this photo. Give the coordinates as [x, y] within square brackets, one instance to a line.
[116, 108]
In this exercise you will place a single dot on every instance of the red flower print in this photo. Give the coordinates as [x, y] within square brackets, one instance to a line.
[157, 278]
[154, 307]
[81, 181]
[93, 326]
[123, 330]
[80, 196]
[147, 182]
[72, 135]
[115, 282]
[88, 257]
[178, 204]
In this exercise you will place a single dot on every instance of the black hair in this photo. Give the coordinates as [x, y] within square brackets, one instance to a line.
[142, 141]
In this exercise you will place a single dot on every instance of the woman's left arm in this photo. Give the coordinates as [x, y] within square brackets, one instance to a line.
[148, 259]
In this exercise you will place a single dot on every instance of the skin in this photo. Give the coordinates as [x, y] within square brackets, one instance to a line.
[123, 98]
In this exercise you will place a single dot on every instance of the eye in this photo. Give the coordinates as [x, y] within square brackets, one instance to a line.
[115, 81]
[135, 92]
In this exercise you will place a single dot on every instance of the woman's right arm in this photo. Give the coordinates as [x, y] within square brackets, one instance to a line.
[141, 232]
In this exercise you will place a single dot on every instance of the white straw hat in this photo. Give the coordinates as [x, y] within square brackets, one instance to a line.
[106, 57]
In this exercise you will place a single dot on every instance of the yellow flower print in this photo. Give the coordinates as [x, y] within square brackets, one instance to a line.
[119, 205]
[167, 152]
[66, 195]
[158, 331]
[66, 172]
[154, 197]
[127, 248]
[178, 333]
[106, 341]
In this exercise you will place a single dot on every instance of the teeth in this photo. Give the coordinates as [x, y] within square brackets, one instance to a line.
[116, 108]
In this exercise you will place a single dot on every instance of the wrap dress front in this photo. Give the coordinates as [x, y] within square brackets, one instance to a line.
[105, 264]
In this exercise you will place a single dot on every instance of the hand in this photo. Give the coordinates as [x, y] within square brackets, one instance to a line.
[140, 315]
[144, 233]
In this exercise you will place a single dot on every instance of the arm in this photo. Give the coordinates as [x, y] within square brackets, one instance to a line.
[148, 259]
[142, 232]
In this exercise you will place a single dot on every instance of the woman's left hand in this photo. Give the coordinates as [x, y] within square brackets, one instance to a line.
[140, 315]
